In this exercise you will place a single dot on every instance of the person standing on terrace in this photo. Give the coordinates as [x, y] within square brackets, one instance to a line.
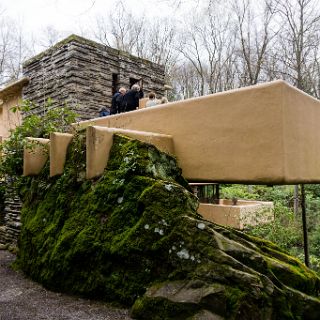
[152, 100]
[131, 99]
[117, 101]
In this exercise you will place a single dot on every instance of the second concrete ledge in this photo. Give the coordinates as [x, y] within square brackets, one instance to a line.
[99, 141]
[35, 155]
[242, 214]
[58, 151]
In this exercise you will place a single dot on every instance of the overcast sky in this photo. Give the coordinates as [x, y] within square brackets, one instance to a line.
[72, 15]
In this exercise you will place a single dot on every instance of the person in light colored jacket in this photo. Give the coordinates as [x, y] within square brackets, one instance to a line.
[151, 100]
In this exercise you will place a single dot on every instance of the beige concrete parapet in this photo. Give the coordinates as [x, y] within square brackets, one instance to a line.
[142, 103]
[99, 141]
[243, 214]
[265, 134]
[59, 143]
[35, 155]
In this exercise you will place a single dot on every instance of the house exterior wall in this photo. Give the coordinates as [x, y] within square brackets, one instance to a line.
[10, 96]
[85, 74]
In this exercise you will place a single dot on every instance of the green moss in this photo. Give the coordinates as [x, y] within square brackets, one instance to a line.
[160, 309]
[299, 277]
[71, 225]
[136, 227]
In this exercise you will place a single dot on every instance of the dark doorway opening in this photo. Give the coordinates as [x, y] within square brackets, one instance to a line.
[115, 83]
[133, 81]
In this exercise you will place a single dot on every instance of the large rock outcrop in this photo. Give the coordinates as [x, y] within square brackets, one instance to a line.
[134, 236]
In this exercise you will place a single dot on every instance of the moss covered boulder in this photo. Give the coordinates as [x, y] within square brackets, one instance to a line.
[134, 236]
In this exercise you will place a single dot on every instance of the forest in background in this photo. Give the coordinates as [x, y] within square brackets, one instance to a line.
[206, 46]
[286, 229]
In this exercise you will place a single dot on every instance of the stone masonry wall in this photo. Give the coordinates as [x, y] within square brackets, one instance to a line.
[84, 74]
[10, 229]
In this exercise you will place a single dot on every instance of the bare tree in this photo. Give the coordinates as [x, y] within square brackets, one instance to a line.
[160, 44]
[49, 37]
[13, 49]
[126, 29]
[208, 44]
[253, 26]
[5, 44]
[185, 81]
[313, 73]
[151, 39]
[300, 26]
[218, 41]
[101, 30]
[191, 48]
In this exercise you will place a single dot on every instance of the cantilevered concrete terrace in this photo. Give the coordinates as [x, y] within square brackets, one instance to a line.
[263, 134]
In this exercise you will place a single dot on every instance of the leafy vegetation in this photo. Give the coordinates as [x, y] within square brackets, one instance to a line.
[11, 149]
[286, 229]
[37, 126]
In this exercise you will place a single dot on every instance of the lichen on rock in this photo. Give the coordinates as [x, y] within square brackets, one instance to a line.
[134, 236]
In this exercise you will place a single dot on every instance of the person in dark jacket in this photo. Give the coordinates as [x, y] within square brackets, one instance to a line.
[103, 112]
[130, 100]
[117, 101]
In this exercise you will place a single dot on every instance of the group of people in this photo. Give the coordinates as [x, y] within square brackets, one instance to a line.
[124, 101]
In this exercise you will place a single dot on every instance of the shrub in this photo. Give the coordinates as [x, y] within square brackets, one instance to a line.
[52, 120]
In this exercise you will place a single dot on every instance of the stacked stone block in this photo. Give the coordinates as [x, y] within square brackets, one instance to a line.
[82, 73]
[10, 230]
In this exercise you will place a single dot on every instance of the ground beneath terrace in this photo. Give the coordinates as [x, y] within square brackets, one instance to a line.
[22, 299]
